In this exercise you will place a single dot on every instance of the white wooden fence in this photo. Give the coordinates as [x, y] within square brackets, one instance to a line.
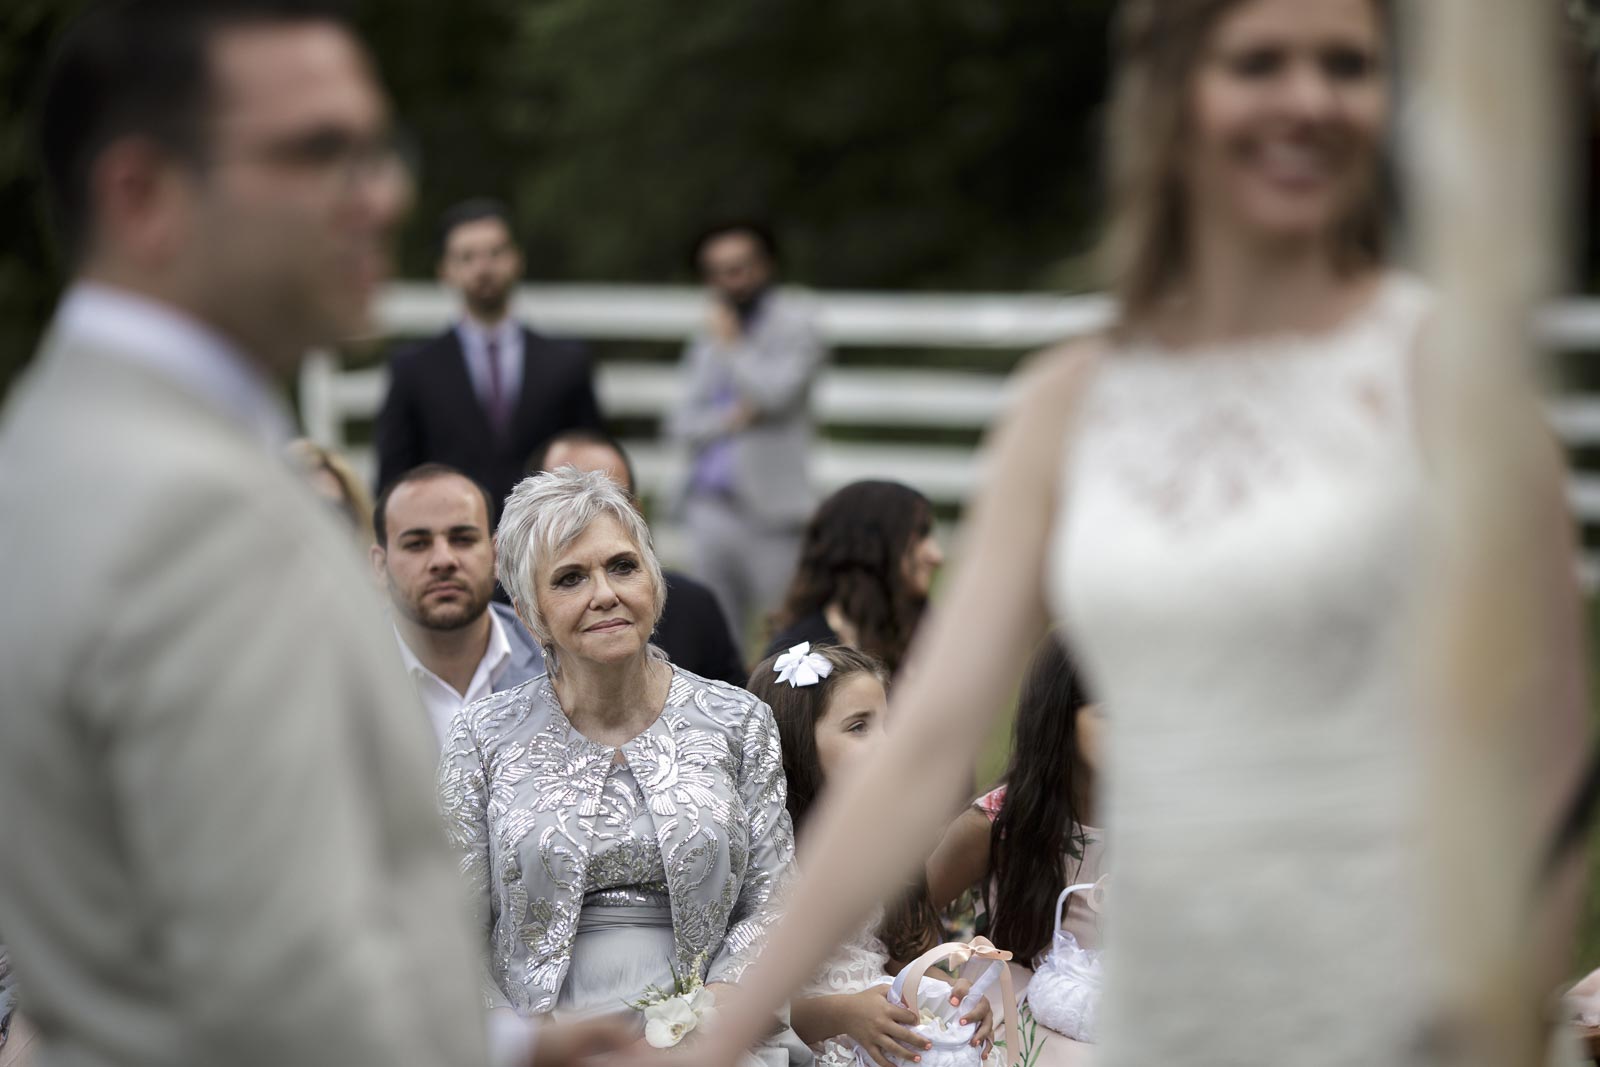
[849, 396]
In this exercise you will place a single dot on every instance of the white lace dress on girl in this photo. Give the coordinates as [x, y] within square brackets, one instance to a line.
[1233, 561]
[861, 963]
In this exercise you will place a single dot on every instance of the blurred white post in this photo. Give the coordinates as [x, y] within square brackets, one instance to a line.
[320, 415]
[1488, 194]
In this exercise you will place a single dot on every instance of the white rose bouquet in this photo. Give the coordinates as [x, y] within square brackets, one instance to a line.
[672, 1014]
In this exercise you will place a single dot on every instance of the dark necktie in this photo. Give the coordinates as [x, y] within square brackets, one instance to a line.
[497, 387]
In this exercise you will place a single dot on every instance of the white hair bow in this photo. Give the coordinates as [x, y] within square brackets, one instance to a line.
[800, 666]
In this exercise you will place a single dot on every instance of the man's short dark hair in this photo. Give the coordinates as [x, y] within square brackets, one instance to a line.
[475, 210]
[425, 473]
[138, 67]
[538, 463]
[757, 231]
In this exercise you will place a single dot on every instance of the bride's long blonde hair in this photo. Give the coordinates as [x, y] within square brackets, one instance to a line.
[1144, 253]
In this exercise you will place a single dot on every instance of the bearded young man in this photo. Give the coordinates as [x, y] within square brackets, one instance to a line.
[434, 553]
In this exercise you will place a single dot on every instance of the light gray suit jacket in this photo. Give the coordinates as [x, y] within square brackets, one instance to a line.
[527, 659]
[220, 839]
[773, 367]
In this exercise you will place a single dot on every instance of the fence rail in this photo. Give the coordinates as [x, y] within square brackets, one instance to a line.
[847, 396]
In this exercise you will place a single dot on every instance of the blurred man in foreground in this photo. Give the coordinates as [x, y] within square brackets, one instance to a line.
[221, 843]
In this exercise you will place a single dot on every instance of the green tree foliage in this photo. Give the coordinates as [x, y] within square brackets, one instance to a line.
[29, 271]
[894, 144]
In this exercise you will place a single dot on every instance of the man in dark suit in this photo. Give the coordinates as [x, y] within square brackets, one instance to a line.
[693, 631]
[488, 391]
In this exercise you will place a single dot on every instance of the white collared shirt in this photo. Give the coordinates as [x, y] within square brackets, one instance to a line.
[179, 347]
[439, 697]
[475, 347]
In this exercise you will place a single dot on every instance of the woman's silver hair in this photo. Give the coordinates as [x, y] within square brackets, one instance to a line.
[546, 513]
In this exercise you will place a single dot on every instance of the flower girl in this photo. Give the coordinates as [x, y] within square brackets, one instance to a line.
[829, 702]
[1034, 835]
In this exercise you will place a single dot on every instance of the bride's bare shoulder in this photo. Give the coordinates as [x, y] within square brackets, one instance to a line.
[1056, 376]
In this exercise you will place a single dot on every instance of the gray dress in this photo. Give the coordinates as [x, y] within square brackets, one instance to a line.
[624, 941]
[601, 871]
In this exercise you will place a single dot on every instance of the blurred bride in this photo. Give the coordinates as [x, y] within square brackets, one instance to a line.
[1220, 498]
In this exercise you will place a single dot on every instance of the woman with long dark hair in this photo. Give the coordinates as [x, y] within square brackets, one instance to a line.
[866, 567]
[1037, 832]
[1033, 835]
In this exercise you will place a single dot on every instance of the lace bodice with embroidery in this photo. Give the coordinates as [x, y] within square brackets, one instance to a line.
[1233, 561]
[626, 861]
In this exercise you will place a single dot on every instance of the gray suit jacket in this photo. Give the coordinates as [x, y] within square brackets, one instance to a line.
[527, 661]
[220, 840]
[773, 367]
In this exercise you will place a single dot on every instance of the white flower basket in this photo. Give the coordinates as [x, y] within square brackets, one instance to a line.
[1065, 992]
[930, 999]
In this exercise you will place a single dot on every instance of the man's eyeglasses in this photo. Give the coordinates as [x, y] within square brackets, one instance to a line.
[343, 156]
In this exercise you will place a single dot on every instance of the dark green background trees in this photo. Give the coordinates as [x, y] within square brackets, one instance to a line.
[897, 144]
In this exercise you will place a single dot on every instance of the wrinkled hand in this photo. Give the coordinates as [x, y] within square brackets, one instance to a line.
[702, 1048]
[570, 1044]
[982, 1013]
[881, 1027]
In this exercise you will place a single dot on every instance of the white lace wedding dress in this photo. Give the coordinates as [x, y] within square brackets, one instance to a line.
[1233, 561]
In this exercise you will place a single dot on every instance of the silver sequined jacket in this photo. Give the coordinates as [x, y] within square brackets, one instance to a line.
[521, 789]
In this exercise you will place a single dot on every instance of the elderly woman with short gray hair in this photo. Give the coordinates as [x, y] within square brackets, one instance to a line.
[622, 820]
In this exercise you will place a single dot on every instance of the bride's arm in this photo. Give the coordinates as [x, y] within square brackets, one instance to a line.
[883, 820]
[961, 860]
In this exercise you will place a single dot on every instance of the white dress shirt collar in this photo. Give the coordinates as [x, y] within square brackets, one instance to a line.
[122, 324]
[439, 697]
[506, 332]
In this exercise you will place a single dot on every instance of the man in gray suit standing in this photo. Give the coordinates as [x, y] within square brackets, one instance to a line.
[746, 421]
[221, 844]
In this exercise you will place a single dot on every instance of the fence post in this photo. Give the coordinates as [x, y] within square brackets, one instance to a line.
[320, 413]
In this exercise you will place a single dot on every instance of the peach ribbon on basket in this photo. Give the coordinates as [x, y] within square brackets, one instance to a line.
[958, 953]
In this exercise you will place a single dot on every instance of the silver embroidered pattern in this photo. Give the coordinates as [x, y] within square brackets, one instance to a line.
[633, 896]
[546, 824]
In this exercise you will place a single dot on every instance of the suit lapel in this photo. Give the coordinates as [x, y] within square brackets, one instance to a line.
[456, 384]
[528, 397]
